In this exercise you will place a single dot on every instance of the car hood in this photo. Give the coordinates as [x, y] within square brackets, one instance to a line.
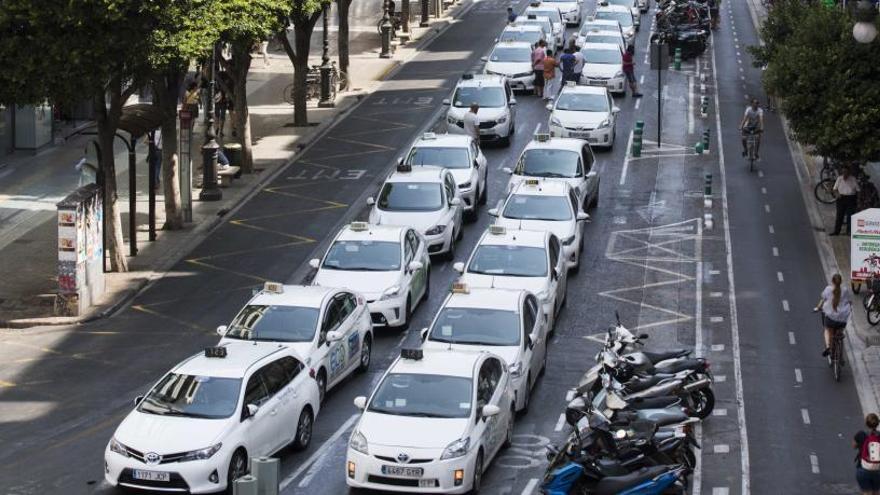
[586, 119]
[169, 434]
[370, 284]
[602, 70]
[565, 6]
[509, 68]
[561, 229]
[402, 431]
[462, 175]
[422, 220]
[531, 284]
[574, 182]
[484, 113]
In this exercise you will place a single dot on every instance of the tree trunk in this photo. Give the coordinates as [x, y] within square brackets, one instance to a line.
[238, 69]
[303, 26]
[166, 88]
[107, 120]
[342, 41]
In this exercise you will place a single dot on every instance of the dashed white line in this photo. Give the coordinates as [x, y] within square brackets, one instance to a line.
[720, 490]
[771, 229]
[785, 305]
[763, 190]
[814, 463]
[716, 319]
[626, 159]
[714, 272]
[690, 110]
[805, 415]
[791, 339]
[717, 347]
[638, 103]
[721, 448]
[323, 450]
[530, 486]
[720, 378]
[641, 79]
[559, 423]
[767, 208]
[719, 412]
[761, 174]
[798, 376]
[775, 251]
[716, 294]
[780, 277]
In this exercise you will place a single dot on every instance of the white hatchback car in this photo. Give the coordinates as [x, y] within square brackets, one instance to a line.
[519, 259]
[425, 198]
[559, 159]
[544, 22]
[462, 156]
[584, 112]
[599, 25]
[497, 113]
[389, 265]
[507, 322]
[546, 206]
[434, 423]
[513, 60]
[552, 12]
[603, 66]
[570, 9]
[607, 36]
[329, 327]
[527, 33]
[197, 427]
[622, 15]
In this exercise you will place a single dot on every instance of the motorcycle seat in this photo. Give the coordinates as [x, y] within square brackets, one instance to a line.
[679, 365]
[639, 384]
[616, 484]
[653, 402]
[663, 417]
[656, 357]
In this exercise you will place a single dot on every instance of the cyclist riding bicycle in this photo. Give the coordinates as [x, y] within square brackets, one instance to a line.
[836, 306]
[752, 123]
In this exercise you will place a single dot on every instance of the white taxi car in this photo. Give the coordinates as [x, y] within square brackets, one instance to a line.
[598, 25]
[329, 327]
[197, 427]
[433, 424]
[542, 21]
[497, 113]
[527, 33]
[597, 35]
[550, 206]
[507, 322]
[632, 5]
[584, 112]
[425, 198]
[603, 66]
[519, 259]
[570, 9]
[552, 12]
[559, 159]
[622, 15]
[513, 60]
[388, 265]
[462, 156]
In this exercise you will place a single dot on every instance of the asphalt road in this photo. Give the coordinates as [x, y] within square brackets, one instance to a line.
[648, 256]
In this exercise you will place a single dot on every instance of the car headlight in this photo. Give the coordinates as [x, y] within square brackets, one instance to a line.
[567, 241]
[516, 369]
[117, 447]
[522, 74]
[201, 454]
[604, 123]
[435, 230]
[618, 74]
[502, 119]
[457, 448]
[390, 292]
[464, 185]
[358, 442]
[555, 121]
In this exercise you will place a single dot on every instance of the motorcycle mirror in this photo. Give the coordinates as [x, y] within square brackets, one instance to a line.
[620, 434]
[617, 315]
[644, 336]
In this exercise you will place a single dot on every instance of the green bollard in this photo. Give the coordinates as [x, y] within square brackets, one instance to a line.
[677, 59]
[640, 126]
[699, 147]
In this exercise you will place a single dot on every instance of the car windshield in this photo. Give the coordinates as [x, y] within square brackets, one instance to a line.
[549, 163]
[582, 102]
[622, 3]
[478, 326]
[516, 35]
[544, 25]
[410, 196]
[427, 396]
[624, 18]
[527, 207]
[441, 157]
[486, 97]
[553, 14]
[511, 54]
[603, 38]
[367, 256]
[509, 261]
[192, 396]
[589, 26]
[596, 56]
[263, 322]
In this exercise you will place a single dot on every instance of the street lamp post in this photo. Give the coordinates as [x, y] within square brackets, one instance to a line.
[386, 31]
[424, 21]
[326, 100]
[405, 10]
[210, 189]
[865, 29]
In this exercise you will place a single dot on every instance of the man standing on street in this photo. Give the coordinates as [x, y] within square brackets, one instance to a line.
[472, 122]
[567, 61]
[846, 187]
[154, 155]
[538, 56]
[511, 16]
[629, 70]
[578, 65]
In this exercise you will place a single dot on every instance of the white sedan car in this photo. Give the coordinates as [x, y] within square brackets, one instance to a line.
[528, 33]
[497, 113]
[389, 265]
[426, 198]
[551, 12]
[329, 327]
[598, 25]
[603, 66]
[632, 5]
[197, 427]
[513, 60]
[519, 259]
[607, 36]
[546, 206]
[584, 112]
[570, 9]
[622, 15]
[434, 423]
[507, 322]
[462, 156]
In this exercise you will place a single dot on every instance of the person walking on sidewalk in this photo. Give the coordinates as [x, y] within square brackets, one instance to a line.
[154, 155]
[847, 187]
[549, 75]
[836, 306]
[538, 56]
[629, 70]
[867, 443]
[472, 122]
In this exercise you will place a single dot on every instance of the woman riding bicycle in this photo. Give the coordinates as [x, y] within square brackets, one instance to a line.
[836, 306]
[752, 123]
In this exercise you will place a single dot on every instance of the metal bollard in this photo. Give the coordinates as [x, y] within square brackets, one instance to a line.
[266, 470]
[704, 106]
[677, 59]
[246, 485]
[637, 139]
[706, 140]
[707, 190]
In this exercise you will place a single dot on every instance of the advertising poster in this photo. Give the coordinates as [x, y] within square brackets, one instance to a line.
[865, 244]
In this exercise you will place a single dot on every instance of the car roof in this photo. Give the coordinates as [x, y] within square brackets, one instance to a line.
[542, 188]
[557, 143]
[502, 299]
[542, 6]
[523, 27]
[590, 90]
[482, 80]
[603, 22]
[604, 32]
[525, 18]
[308, 296]
[443, 141]
[513, 44]
[445, 362]
[240, 357]
[513, 237]
[422, 173]
[613, 8]
[391, 233]
[601, 46]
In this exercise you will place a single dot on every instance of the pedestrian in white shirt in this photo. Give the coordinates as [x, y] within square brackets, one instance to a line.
[847, 187]
[472, 122]
[578, 65]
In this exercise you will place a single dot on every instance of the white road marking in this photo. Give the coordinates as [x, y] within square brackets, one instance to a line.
[791, 339]
[714, 272]
[698, 344]
[716, 294]
[560, 423]
[530, 486]
[734, 322]
[323, 450]
[717, 347]
[785, 305]
[690, 110]
[720, 490]
[626, 159]
[767, 208]
[814, 463]
[771, 229]
[641, 79]
[719, 412]
[798, 377]
[720, 378]
[638, 103]
[721, 448]
[780, 277]
[805, 415]
[570, 395]
[763, 190]
[761, 174]
[716, 319]
[775, 251]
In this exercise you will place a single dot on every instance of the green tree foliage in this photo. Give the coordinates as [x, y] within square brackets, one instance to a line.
[826, 82]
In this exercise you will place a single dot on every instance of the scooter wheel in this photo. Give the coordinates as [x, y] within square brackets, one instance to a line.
[703, 402]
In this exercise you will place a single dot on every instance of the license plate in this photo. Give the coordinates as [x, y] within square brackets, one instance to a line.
[579, 135]
[139, 474]
[484, 132]
[409, 472]
[596, 82]
[427, 483]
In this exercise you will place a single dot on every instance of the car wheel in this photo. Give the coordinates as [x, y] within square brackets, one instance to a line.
[366, 353]
[407, 312]
[484, 196]
[508, 437]
[478, 474]
[450, 255]
[238, 467]
[527, 395]
[427, 286]
[303, 429]
[321, 379]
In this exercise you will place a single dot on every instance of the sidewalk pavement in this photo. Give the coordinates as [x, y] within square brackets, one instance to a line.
[31, 184]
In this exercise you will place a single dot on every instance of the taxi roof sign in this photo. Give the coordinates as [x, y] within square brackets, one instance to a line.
[273, 287]
[404, 167]
[532, 182]
[542, 137]
[429, 135]
[571, 84]
[460, 288]
[215, 352]
[414, 353]
[359, 226]
[467, 75]
[497, 230]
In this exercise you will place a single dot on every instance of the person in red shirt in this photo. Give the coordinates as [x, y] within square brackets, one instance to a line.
[538, 55]
[629, 70]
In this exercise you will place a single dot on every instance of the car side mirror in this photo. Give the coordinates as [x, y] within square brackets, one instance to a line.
[489, 410]
[415, 266]
[315, 263]
[530, 340]
[360, 402]
[493, 212]
[371, 201]
[400, 161]
[252, 410]
[615, 110]
[138, 400]
[333, 336]
[458, 266]
[496, 40]
[476, 164]
[592, 173]
[507, 170]
[549, 106]
[484, 59]
[446, 101]
[512, 102]
[221, 330]
[424, 333]
[555, 274]
[455, 201]
[583, 217]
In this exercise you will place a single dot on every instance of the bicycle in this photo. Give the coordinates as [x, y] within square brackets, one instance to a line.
[871, 301]
[313, 84]
[751, 148]
[835, 357]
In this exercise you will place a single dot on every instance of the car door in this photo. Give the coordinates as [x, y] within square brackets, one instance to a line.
[280, 404]
[591, 177]
[511, 108]
[259, 429]
[299, 391]
[332, 353]
[557, 274]
[496, 425]
[418, 278]
[485, 428]
[532, 332]
[350, 330]
[454, 212]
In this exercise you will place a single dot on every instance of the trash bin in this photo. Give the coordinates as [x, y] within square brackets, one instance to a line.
[233, 153]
